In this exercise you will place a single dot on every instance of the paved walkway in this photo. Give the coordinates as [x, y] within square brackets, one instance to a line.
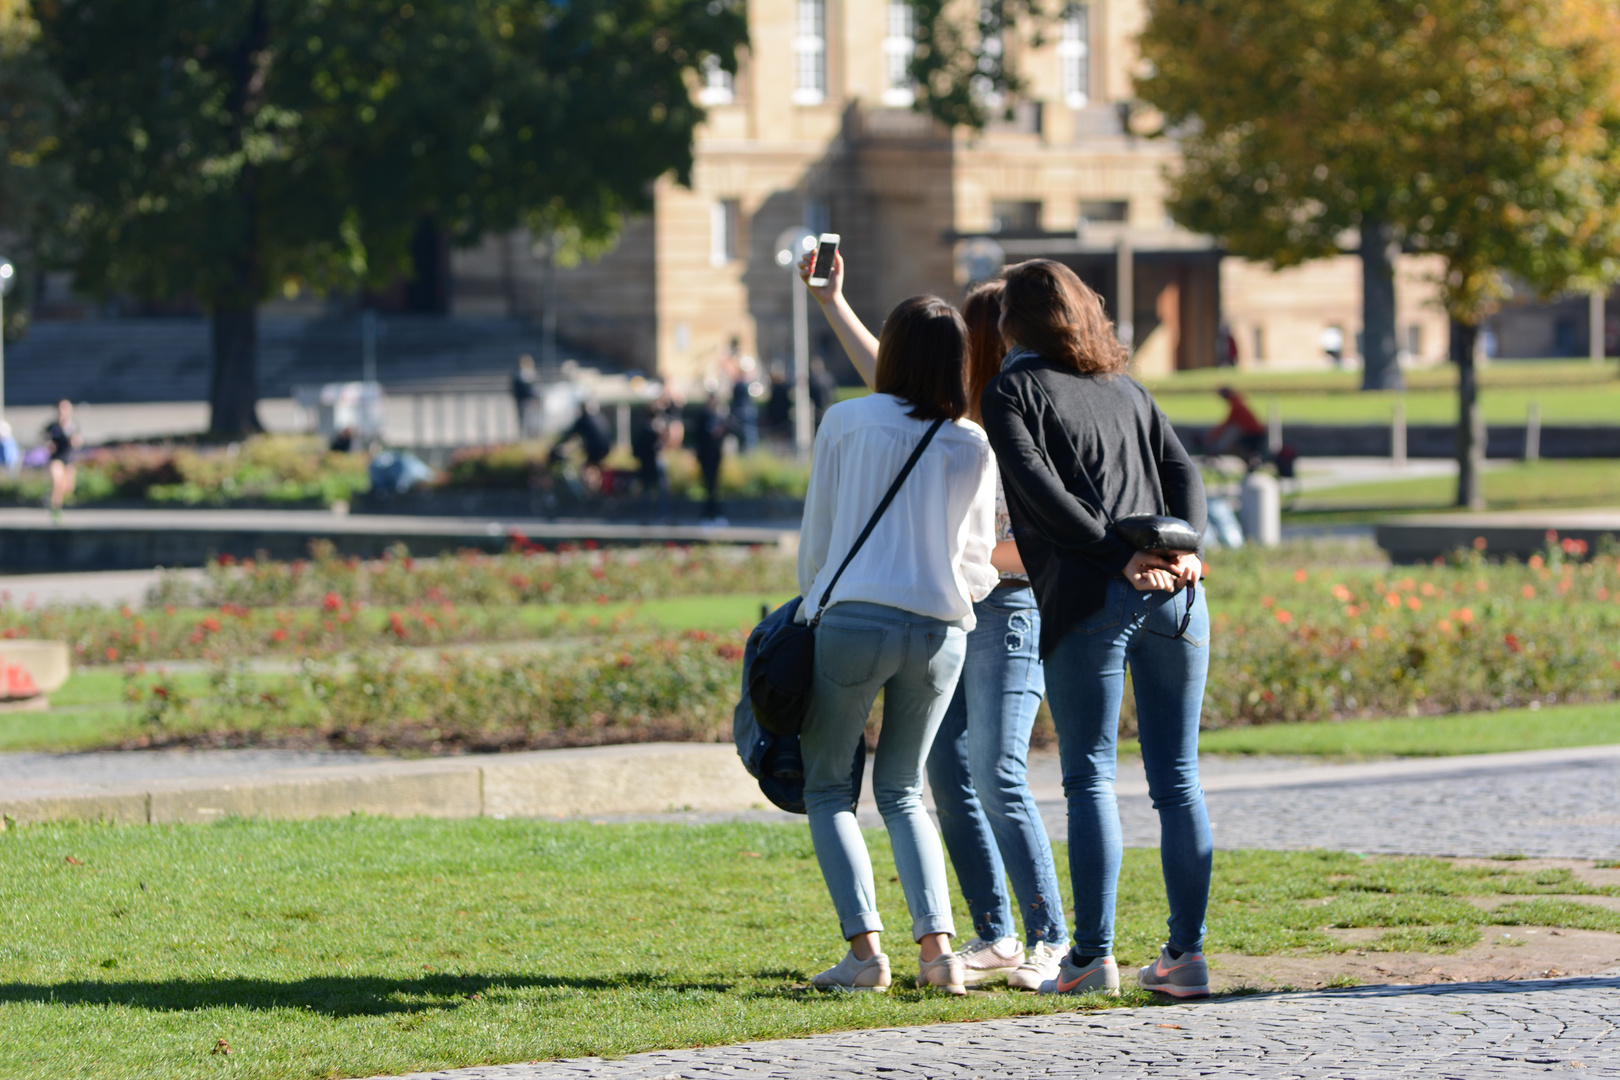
[1463, 1031]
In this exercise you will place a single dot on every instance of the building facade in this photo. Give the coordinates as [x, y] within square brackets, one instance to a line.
[817, 130]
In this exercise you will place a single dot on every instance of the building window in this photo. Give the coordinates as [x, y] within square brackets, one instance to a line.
[1414, 341]
[719, 86]
[725, 231]
[1074, 53]
[1022, 216]
[1259, 344]
[810, 53]
[899, 46]
[1096, 211]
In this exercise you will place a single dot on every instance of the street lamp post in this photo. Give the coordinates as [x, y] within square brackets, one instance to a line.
[792, 244]
[8, 275]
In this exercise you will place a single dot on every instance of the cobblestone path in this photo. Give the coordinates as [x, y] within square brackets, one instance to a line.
[1462, 1031]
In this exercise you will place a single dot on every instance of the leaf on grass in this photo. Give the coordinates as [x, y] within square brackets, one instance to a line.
[1175, 1026]
[221, 1047]
[71, 861]
[750, 854]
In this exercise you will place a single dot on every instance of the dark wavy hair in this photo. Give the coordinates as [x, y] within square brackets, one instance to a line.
[982, 313]
[1047, 308]
[920, 358]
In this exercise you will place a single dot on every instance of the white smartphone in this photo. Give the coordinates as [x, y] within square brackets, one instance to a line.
[826, 251]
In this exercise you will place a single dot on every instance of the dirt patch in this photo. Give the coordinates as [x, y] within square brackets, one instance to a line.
[1504, 952]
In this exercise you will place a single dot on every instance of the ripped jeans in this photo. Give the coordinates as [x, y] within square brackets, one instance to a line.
[977, 772]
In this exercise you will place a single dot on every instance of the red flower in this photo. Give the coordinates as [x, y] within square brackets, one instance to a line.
[591, 545]
[1512, 642]
[112, 653]
[331, 601]
[396, 624]
[227, 560]
[278, 635]
[210, 624]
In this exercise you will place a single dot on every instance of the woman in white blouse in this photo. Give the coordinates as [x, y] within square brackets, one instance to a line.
[897, 622]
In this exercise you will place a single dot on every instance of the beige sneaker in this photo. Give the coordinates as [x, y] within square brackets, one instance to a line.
[945, 972]
[983, 961]
[856, 976]
[1041, 964]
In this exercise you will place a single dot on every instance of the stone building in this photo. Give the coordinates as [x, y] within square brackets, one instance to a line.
[817, 129]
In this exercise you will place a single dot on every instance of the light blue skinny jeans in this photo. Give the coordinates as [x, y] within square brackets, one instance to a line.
[978, 772]
[862, 648]
[1085, 679]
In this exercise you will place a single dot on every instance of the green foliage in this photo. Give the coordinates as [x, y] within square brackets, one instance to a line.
[1483, 130]
[964, 70]
[313, 137]
[264, 468]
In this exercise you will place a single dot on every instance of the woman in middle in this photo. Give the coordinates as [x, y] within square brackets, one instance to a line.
[978, 766]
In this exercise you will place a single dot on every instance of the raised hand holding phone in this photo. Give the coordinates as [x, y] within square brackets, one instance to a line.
[859, 343]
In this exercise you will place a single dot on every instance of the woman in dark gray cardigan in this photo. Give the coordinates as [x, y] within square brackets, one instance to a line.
[1080, 445]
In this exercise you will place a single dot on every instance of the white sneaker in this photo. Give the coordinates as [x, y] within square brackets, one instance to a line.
[944, 971]
[856, 976]
[984, 960]
[1042, 964]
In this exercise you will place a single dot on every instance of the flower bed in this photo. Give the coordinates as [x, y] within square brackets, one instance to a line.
[670, 688]
[1302, 633]
[326, 604]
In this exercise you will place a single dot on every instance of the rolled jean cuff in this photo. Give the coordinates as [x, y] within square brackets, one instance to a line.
[932, 924]
[867, 922]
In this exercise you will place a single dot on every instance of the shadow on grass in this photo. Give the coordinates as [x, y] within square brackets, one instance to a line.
[333, 995]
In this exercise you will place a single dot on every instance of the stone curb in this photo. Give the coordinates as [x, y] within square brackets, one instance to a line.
[646, 778]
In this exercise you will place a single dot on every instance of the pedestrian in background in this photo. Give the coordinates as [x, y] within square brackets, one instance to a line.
[526, 396]
[744, 409]
[779, 409]
[62, 436]
[709, 445]
[823, 388]
[660, 429]
[1081, 445]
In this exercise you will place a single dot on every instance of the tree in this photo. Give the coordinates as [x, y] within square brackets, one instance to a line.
[228, 149]
[32, 189]
[962, 68]
[1481, 131]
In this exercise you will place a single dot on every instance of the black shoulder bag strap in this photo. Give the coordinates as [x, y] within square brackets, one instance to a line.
[894, 489]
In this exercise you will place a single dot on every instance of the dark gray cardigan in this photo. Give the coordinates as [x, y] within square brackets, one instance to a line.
[1038, 414]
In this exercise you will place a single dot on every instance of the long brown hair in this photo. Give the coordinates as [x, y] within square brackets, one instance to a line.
[1047, 308]
[982, 313]
[920, 357]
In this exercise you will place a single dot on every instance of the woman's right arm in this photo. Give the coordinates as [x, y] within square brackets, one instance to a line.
[859, 343]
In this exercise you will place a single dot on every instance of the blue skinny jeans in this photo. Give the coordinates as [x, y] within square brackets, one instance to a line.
[978, 771]
[862, 648]
[1085, 678]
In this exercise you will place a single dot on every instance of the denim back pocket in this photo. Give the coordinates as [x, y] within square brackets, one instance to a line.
[1165, 612]
[846, 654]
[1110, 615]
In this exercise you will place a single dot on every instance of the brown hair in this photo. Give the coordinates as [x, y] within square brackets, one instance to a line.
[920, 358]
[982, 313]
[1047, 308]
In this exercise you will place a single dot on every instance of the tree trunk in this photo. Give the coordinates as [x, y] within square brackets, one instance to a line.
[233, 399]
[1380, 369]
[1470, 418]
[234, 396]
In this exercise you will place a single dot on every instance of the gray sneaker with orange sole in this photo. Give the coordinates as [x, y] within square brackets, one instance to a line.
[1183, 977]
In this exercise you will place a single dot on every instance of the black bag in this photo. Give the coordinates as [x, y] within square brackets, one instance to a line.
[779, 678]
[774, 760]
[1157, 532]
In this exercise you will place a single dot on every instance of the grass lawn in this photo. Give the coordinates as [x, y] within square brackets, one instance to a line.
[357, 946]
[1429, 736]
[1569, 392]
[1520, 486]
